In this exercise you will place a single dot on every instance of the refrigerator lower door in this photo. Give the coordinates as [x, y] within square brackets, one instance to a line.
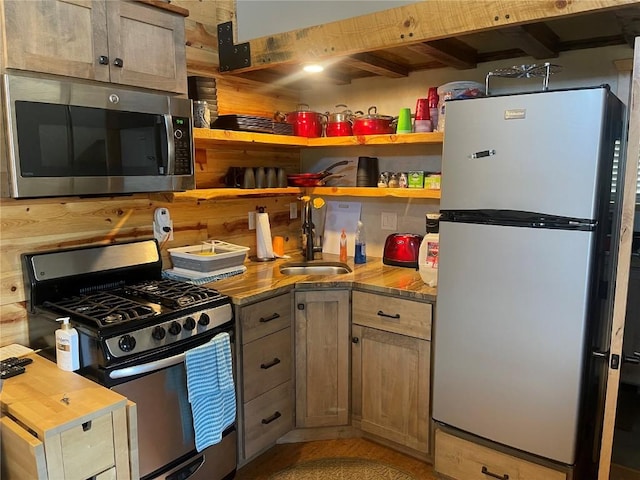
[509, 334]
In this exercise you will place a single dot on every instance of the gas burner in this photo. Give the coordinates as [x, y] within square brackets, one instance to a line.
[172, 294]
[103, 308]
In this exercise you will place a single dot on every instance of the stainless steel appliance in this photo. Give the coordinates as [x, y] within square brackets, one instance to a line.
[134, 329]
[72, 138]
[526, 188]
[401, 250]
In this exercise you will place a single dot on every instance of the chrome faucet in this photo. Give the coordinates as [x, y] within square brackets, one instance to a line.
[308, 232]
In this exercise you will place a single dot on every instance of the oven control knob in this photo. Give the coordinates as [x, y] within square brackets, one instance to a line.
[189, 323]
[127, 343]
[175, 328]
[204, 320]
[158, 332]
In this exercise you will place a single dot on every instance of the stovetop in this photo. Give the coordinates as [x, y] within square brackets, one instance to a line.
[135, 303]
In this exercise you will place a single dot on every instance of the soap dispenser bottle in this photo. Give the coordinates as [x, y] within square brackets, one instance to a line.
[361, 252]
[67, 346]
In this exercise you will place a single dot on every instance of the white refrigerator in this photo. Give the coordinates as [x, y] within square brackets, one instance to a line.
[523, 231]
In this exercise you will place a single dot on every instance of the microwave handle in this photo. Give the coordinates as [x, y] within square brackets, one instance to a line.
[147, 367]
[171, 144]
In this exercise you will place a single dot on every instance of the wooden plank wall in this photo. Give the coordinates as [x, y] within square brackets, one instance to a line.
[36, 225]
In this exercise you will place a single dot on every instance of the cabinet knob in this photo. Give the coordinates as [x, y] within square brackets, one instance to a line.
[118, 62]
[301, 306]
[355, 339]
[103, 60]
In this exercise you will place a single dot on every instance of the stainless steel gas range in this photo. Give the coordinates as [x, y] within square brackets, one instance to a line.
[134, 329]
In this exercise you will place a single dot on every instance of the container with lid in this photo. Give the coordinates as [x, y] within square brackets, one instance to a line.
[456, 90]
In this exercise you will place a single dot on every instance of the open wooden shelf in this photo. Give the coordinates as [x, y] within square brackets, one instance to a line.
[227, 193]
[205, 138]
[374, 192]
[210, 138]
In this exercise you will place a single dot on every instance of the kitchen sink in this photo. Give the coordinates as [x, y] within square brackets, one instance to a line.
[314, 268]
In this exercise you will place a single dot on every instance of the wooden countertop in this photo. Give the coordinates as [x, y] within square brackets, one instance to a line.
[47, 399]
[263, 280]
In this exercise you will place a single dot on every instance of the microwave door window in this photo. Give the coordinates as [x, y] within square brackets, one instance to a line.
[90, 142]
[143, 145]
[70, 141]
[44, 139]
[119, 143]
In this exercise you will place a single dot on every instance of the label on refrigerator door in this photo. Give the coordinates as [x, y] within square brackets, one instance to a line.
[515, 114]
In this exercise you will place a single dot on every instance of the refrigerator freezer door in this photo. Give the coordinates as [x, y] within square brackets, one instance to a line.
[509, 334]
[536, 152]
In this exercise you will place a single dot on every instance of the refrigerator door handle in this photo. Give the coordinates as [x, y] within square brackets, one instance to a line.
[600, 354]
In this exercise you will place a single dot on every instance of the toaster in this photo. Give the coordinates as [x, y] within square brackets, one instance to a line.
[401, 250]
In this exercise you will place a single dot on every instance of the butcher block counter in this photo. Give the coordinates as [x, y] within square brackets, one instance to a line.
[58, 424]
[264, 280]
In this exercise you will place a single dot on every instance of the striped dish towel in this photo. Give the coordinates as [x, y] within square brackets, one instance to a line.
[211, 389]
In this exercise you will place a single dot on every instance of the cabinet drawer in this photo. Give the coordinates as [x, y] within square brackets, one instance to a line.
[464, 460]
[266, 363]
[265, 317]
[392, 314]
[267, 418]
[88, 449]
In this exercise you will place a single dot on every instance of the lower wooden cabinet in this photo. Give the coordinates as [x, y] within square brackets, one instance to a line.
[265, 366]
[391, 386]
[461, 459]
[321, 326]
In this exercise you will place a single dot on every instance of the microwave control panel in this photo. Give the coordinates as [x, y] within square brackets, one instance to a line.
[182, 144]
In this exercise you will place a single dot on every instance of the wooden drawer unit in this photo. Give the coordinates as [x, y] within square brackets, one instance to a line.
[266, 363]
[265, 317]
[464, 460]
[267, 418]
[397, 315]
[81, 427]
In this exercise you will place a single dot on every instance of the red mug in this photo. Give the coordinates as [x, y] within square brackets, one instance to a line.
[422, 109]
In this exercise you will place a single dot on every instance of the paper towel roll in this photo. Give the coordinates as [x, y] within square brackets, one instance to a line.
[263, 236]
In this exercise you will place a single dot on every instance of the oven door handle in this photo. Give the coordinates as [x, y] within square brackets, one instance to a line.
[148, 367]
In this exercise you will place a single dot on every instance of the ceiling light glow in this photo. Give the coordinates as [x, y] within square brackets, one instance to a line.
[313, 68]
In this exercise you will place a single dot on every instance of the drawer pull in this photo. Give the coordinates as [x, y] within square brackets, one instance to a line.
[269, 318]
[272, 363]
[275, 416]
[86, 426]
[382, 314]
[486, 471]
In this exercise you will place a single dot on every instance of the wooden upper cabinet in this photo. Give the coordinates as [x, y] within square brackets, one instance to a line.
[150, 43]
[121, 42]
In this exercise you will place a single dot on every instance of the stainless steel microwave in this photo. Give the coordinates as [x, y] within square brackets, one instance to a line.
[72, 138]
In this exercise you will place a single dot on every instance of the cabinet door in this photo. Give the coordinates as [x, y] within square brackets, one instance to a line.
[322, 358]
[391, 377]
[146, 47]
[56, 36]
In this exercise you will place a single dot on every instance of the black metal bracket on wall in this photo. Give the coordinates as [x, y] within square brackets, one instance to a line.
[230, 56]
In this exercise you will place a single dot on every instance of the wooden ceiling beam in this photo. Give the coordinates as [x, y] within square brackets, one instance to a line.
[449, 51]
[422, 21]
[629, 21]
[371, 63]
[536, 40]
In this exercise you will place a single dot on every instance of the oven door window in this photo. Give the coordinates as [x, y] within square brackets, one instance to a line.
[68, 141]
[165, 425]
